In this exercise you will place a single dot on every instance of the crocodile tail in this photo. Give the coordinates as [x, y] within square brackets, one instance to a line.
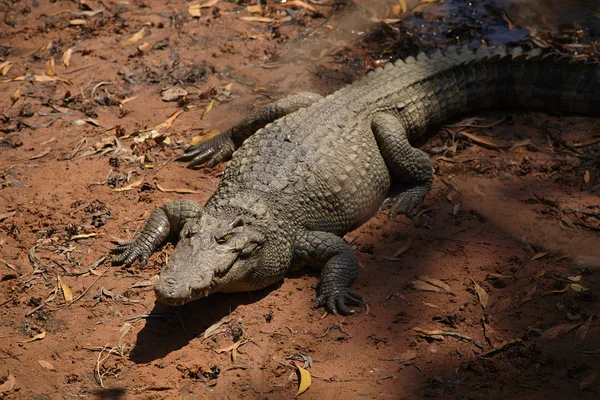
[531, 80]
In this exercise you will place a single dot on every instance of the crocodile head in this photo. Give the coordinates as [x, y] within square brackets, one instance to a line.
[214, 254]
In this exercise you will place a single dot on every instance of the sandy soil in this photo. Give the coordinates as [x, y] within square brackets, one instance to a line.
[507, 239]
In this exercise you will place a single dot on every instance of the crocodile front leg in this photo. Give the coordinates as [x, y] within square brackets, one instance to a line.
[221, 147]
[409, 166]
[165, 221]
[339, 271]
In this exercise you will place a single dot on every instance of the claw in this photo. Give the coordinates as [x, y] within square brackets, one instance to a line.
[338, 301]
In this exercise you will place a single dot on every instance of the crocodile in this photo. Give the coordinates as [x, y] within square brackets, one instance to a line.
[307, 169]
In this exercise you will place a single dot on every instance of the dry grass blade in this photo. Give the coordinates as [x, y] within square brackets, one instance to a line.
[481, 294]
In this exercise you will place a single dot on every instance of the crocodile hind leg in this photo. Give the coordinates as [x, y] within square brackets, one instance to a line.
[409, 166]
[221, 147]
[339, 271]
[164, 222]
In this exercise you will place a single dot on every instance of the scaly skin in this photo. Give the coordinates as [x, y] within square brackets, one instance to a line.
[317, 168]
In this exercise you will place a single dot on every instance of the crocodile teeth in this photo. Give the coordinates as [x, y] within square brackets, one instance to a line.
[205, 292]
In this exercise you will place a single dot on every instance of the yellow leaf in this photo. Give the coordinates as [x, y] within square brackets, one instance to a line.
[5, 66]
[430, 305]
[67, 292]
[9, 384]
[15, 97]
[66, 59]
[39, 336]
[403, 5]
[202, 138]
[77, 22]
[210, 106]
[47, 365]
[84, 236]
[304, 380]
[229, 86]
[130, 186]
[574, 278]
[135, 38]
[578, 288]
[481, 293]
[254, 9]
[194, 10]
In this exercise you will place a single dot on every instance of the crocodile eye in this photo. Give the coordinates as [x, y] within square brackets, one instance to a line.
[224, 239]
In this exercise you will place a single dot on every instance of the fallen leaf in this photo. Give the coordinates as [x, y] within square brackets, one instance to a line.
[9, 384]
[430, 305]
[481, 294]
[574, 278]
[229, 86]
[402, 249]
[435, 282]
[67, 292]
[403, 6]
[15, 97]
[51, 67]
[66, 58]
[538, 256]
[529, 294]
[167, 124]
[194, 10]
[297, 3]
[407, 356]
[502, 305]
[582, 332]
[478, 140]
[78, 22]
[177, 190]
[210, 107]
[587, 382]
[304, 380]
[586, 177]
[202, 138]
[47, 365]
[144, 47]
[213, 329]
[41, 78]
[7, 215]
[257, 19]
[5, 67]
[558, 331]
[254, 9]
[131, 186]
[40, 155]
[424, 286]
[43, 50]
[387, 21]
[135, 38]
[566, 288]
[83, 236]
[578, 288]
[231, 346]
[39, 336]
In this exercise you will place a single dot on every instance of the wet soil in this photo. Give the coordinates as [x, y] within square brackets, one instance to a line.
[491, 291]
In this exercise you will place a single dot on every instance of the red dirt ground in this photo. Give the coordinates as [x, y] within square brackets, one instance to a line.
[520, 220]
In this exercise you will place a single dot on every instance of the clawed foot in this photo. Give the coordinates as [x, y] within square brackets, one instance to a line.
[337, 301]
[210, 152]
[129, 252]
[410, 196]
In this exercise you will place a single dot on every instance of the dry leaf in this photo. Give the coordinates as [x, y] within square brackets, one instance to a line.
[210, 106]
[297, 3]
[181, 191]
[47, 365]
[478, 140]
[135, 38]
[131, 186]
[144, 47]
[15, 97]
[589, 380]
[481, 293]
[582, 332]
[304, 380]
[41, 78]
[403, 5]
[9, 384]
[586, 177]
[84, 236]
[538, 256]
[574, 278]
[202, 138]
[9, 214]
[40, 53]
[407, 356]
[254, 9]
[51, 67]
[558, 331]
[40, 155]
[194, 10]
[435, 282]
[67, 292]
[5, 67]
[529, 294]
[257, 19]
[229, 86]
[578, 288]
[78, 22]
[66, 59]
[424, 286]
[402, 249]
[170, 120]
[430, 305]
[502, 305]
[213, 329]
[39, 336]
